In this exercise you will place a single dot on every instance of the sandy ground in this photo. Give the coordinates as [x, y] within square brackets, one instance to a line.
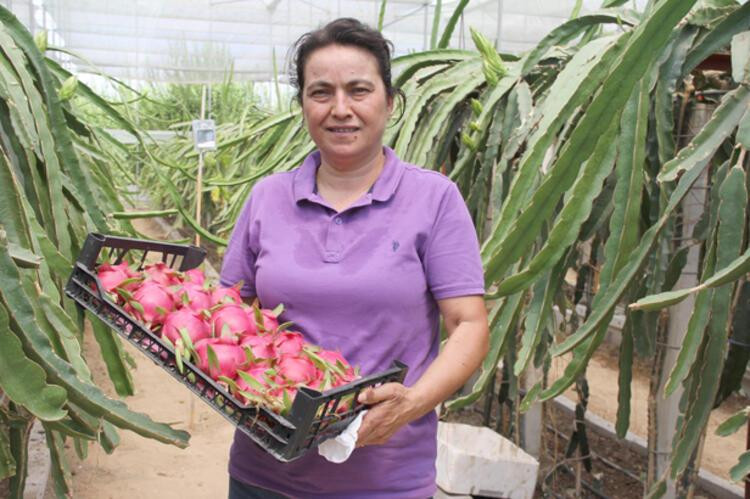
[142, 468]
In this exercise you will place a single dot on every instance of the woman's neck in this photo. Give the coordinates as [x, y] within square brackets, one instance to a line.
[341, 185]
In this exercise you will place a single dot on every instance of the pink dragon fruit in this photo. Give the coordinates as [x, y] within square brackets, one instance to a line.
[262, 345]
[270, 321]
[255, 384]
[226, 295]
[229, 357]
[345, 372]
[281, 398]
[112, 276]
[152, 301]
[289, 343]
[264, 378]
[188, 320]
[192, 295]
[232, 320]
[195, 276]
[161, 272]
[298, 369]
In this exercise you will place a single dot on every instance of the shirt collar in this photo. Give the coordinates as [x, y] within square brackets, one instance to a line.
[384, 187]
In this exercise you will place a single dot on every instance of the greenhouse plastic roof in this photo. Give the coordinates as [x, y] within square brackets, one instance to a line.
[202, 40]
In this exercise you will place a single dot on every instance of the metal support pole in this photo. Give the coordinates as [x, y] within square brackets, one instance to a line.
[499, 30]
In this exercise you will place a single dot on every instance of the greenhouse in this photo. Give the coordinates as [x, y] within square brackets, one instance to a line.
[374, 248]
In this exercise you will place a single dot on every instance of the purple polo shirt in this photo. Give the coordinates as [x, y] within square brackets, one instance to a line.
[363, 281]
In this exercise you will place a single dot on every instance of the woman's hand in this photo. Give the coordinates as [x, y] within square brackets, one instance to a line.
[393, 406]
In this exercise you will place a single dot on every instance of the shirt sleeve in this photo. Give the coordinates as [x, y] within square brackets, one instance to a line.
[239, 259]
[453, 266]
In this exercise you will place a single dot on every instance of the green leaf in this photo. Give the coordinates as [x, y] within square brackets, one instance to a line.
[736, 269]
[743, 131]
[251, 381]
[47, 150]
[502, 320]
[695, 330]
[381, 14]
[738, 355]
[72, 428]
[740, 470]
[605, 301]
[735, 422]
[178, 360]
[707, 376]
[64, 328]
[669, 73]
[414, 62]
[464, 76]
[23, 380]
[177, 200]
[718, 37]
[624, 224]
[37, 346]
[574, 213]
[658, 489]
[530, 397]
[24, 258]
[624, 378]
[451, 25]
[113, 355]
[722, 123]
[580, 78]
[648, 38]
[131, 215]
[7, 462]
[108, 437]
[435, 24]
[562, 34]
[213, 360]
[59, 470]
[537, 313]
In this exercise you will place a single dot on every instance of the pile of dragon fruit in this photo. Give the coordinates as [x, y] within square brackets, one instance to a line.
[259, 360]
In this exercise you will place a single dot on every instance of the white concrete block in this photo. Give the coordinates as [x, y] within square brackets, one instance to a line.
[476, 460]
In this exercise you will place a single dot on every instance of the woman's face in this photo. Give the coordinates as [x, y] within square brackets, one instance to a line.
[345, 105]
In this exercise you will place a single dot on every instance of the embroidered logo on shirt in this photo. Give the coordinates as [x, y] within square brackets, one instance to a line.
[394, 245]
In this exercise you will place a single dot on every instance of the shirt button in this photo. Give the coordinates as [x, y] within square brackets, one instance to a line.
[338, 220]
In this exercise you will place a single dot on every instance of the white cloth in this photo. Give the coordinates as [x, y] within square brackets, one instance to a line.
[337, 450]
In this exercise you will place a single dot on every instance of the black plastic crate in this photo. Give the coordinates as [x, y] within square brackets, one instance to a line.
[313, 416]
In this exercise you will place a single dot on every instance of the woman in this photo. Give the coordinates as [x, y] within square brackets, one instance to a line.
[366, 252]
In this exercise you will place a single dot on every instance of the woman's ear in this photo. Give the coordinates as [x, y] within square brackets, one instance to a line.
[389, 105]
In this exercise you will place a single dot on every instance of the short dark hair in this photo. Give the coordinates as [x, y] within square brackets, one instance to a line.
[344, 31]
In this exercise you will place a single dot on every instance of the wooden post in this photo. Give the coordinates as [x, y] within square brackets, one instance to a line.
[199, 180]
[198, 203]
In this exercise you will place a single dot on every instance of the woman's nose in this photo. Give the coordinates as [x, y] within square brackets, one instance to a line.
[341, 106]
